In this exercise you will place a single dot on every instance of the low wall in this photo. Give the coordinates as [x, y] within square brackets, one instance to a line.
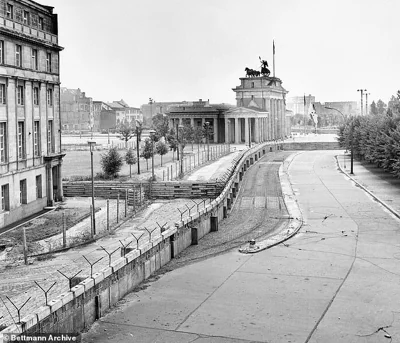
[86, 302]
[311, 146]
[164, 190]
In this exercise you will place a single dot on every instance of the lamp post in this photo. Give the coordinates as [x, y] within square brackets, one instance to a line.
[180, 128]
[137, 146]
[351, 147]
[208, 139]
[152, 134]
[92, 143]
[362, 95]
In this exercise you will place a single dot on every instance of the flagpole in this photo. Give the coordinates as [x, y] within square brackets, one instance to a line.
[273, 57]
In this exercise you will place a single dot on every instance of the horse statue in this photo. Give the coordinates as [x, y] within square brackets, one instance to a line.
[251, 72]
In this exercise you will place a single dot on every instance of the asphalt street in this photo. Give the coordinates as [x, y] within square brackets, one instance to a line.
[336, 281]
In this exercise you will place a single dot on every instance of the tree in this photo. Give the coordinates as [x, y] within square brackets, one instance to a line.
[130, 159]
[198, 136]
[111, 162]
[160, 125]
[172, 142]
[126, 131]
[147, 152]
[374, 108]
[161, 148]
[381, 107]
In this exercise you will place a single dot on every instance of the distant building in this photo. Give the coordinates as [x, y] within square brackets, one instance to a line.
[76, 110]
[296, 103]
[150, 110]
[30, 126]
[124, 113]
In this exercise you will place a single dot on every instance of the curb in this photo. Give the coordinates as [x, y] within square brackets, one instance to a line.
[384, 204]
[287, 230]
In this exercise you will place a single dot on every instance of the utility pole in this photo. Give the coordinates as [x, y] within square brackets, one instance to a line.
[366, 103]
[362, 96]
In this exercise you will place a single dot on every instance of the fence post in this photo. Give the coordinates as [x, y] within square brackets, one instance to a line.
[126, 200]
[64, 231]
[25, 248]
[117, 208]
[134, 205]
[108, 215]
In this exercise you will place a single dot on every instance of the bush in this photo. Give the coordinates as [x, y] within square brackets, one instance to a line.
[111, 162]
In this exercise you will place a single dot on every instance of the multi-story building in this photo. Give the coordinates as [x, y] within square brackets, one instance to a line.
[76, 110]
[30, 128]
[125, 113]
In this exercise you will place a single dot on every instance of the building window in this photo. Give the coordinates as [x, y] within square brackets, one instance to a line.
[26, 18]
[1, 52]
[2, 93]
[34, 59]
[48, 62]
[18, 55]
[10, 12]
[50, 137]
[50, 97]
[5, 199]
[38, 186]
[3, 142]
[252, 85]
[36, 135]
[41, 23]
[21, 140]
[20, 95]
[23, 192]
[36, 96]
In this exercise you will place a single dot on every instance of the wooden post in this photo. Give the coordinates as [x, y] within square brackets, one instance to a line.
[108, 215]
[25, 248]
[126, 201]
[118, 208]
[64, 231]
[134, 198]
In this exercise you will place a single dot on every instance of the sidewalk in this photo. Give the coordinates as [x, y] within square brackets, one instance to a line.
[380, 183]
[18, 282]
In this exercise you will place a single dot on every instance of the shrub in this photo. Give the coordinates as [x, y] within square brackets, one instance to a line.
[111, 162]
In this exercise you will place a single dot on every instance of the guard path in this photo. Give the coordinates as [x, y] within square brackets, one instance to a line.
[336, 281]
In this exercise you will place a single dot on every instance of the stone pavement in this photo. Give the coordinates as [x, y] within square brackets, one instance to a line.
[335, 281]
[18, 282]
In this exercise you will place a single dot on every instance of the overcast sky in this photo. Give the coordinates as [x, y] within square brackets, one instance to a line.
[175, 50]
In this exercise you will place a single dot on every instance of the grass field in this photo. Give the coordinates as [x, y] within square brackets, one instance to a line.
[77, 163]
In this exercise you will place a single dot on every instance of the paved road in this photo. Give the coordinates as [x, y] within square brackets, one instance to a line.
[336, 281]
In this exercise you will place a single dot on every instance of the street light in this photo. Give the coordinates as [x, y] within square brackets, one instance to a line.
[92, 143]
[152, 135]
[352, 128]
[180, 128]
[137, 145]
[207, 139]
